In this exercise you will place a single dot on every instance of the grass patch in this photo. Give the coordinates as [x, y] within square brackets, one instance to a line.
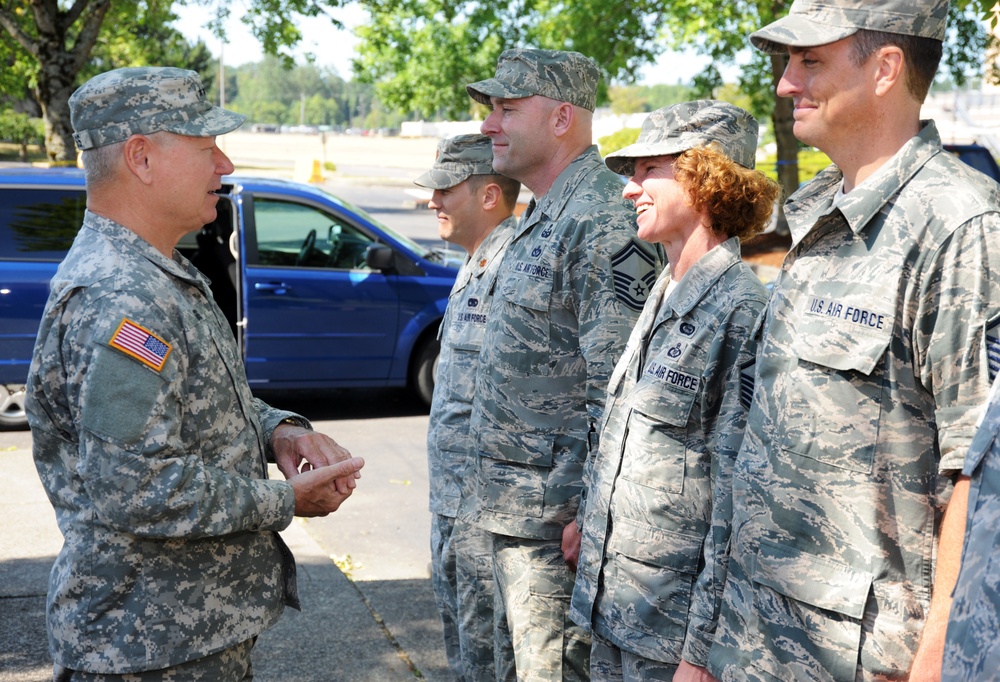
[811, 162]
[12, 152]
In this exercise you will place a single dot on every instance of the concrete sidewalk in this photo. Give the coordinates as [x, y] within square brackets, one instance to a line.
[337, 636]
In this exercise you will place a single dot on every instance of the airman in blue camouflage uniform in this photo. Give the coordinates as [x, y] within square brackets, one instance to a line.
[570, 288]
[146, 436]
[652, 562]
[871, 371]
[972, 650]
[475, 209]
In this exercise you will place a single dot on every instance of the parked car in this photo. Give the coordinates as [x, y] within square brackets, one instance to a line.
[976, 156]
[318, 294]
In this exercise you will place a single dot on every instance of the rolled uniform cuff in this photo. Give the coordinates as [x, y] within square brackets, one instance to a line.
[276, 502]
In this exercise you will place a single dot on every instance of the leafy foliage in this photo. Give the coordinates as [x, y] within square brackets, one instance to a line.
[420, 53]
[617, 140]
[51, 47]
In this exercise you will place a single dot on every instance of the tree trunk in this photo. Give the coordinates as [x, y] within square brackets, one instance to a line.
[787, 144]
[55, 85]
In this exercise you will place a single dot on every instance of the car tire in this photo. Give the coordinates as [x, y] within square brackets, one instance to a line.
[12, 414]
[424, 368]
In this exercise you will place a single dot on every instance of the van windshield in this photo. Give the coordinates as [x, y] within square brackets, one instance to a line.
[418, 249]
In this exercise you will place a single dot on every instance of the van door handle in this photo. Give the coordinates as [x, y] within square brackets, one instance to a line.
[278, 288]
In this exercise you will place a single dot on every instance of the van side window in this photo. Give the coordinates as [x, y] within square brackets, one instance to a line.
[39, 224]
[296, 235]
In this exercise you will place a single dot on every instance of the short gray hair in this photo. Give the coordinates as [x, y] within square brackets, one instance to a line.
[100, 163]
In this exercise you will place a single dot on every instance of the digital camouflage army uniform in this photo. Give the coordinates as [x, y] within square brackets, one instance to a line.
[570, 288]
[469, 634]
[652, 566]
[871, 373]
[152, 451]
[972, 650]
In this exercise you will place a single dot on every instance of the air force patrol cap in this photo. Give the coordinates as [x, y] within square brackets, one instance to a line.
[678, 128]
[819, 22]
[116, 104]
[458, 158]
[556, 74]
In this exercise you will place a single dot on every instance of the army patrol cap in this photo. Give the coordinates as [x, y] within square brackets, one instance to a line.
[556, 74]
[819, 22]
[458, 158]
[116, 104]
[678, 128]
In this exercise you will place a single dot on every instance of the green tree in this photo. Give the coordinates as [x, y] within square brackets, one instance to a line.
[720, 30]
[20, 129]
[418, 53]
[268, 92]
[53, 46]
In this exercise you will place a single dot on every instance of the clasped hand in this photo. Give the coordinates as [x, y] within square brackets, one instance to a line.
[322, 473]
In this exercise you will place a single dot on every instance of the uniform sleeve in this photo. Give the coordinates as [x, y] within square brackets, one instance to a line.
[723, 421]
[147, 464]
[956, 327]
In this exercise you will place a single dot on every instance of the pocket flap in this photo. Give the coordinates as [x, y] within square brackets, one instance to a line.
[815, 580]
[663, 403]
[850, 333]
[521, 447]
[656, 546]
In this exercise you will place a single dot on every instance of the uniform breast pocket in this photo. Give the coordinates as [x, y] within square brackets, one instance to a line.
[525, 344]
[656, 443]
[832, 398]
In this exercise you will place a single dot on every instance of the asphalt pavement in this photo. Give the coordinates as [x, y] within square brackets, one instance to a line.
[378, 624]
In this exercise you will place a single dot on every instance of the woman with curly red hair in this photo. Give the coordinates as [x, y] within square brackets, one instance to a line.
[656, 528]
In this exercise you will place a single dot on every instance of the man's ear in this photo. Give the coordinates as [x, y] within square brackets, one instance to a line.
[492, 196]
[562, 118]
[137, 149]
[890, 69]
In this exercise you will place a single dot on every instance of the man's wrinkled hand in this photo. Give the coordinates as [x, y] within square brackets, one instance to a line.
[297, 450]
[317, 491]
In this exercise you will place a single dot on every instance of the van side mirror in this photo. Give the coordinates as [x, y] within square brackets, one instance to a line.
[379, 256]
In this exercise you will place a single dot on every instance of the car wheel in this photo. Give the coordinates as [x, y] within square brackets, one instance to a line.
[12, 412]
[424, 369]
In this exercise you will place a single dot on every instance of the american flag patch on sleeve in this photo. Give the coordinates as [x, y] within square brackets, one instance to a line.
[140, 343]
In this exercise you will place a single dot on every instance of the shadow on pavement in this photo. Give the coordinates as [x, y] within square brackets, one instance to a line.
[354, 403]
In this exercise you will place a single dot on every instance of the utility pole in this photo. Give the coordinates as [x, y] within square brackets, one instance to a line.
[222, 77]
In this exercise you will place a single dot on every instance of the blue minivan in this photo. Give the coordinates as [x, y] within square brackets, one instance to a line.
[318, 293]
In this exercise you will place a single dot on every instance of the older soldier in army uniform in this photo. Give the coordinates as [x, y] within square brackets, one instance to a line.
[848, 498]
[570, 287]
[475, 208]
[652, 565]
[146, 436]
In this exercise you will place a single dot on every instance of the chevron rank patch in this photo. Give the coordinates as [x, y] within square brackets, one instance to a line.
[634, 272]
[140, 343]
[747, 382]
[993, 347]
